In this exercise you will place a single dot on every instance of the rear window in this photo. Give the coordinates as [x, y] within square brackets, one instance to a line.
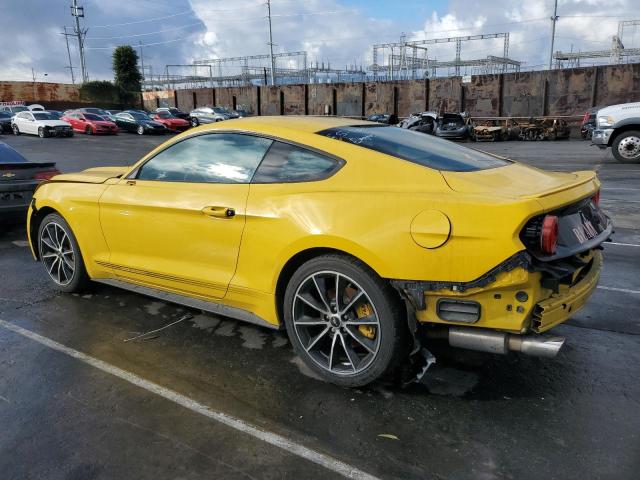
[93, 116]
[415, 147]
[9, 155]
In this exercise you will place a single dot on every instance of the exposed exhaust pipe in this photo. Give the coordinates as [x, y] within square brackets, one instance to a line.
[500, 342]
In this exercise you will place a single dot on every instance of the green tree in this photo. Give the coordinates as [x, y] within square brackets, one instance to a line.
[101, 91]
[125, 69]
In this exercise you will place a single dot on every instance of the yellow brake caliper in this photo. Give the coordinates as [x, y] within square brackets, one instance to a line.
[364, 310]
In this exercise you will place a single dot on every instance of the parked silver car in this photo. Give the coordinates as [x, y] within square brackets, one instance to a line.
[209, 115]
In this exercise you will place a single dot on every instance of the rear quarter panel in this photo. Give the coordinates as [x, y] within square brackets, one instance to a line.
[373, 223]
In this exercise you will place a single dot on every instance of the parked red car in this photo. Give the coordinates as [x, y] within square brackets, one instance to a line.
[90, 123]
[174, 124]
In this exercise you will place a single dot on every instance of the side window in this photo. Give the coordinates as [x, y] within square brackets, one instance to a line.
[288, 163]
[213, 158]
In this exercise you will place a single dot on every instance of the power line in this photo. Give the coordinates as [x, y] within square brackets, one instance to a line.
[148, 33]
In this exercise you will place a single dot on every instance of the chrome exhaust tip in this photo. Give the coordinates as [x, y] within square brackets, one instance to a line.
[500, 342]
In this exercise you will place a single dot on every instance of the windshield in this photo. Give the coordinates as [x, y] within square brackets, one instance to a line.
[55, 115]
[42, 116]
[19, 109]
[220, 110]
[415, 147]
[164, 114]
[140, 116]
[9, 155]
[93, 117]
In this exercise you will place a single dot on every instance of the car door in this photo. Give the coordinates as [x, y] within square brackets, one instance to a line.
[176, 222]
[124, 121]
[27, 124]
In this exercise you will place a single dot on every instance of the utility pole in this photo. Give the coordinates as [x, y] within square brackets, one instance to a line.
[554, 19]
[78, 12]
[70, 67]
[273, 62]
[141, 63]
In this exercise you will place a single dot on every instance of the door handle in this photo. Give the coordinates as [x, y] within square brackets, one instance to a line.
[219, 212]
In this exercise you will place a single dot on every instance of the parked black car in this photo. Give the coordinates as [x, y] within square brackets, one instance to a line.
[387, 119]
[139, 122]
[176, 112]
[5, 122]
[18, 179]
[452, 126]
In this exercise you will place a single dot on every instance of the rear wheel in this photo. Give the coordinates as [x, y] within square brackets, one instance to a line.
[140, 130]
[345, 322]
[626, 147]
[60, 254]
[195, 122]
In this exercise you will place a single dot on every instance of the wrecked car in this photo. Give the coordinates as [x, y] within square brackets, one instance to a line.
[494, 130]
[424, 122]
[453, 126]
[446, 241]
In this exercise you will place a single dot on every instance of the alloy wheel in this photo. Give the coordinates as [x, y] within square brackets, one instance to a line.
[629, 147]
[336, 323]
[56, 252]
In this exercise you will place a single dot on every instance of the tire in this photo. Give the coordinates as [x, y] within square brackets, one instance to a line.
[626, 147]
[195, 122]
[65, 270]
[323, 345]
[41, 132]
[88, 130]
[140, 130]
[16, 130]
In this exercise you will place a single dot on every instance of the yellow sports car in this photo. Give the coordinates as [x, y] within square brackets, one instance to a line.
[360, 239]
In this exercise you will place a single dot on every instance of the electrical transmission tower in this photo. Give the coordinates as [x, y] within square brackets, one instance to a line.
[78, 13]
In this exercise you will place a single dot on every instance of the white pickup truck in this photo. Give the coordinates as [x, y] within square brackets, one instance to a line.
[618, 127]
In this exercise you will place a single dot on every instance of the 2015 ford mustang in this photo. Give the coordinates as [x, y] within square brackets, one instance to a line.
[358, 238]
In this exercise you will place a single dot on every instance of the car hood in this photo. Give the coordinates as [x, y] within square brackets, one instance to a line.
[92, 175]
[520, 181]
[622, 107]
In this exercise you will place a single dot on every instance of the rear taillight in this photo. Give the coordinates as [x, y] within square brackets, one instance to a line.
[45, 175]
[596, 198]
[549, 234]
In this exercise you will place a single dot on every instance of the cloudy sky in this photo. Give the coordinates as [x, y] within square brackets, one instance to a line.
[336, 31]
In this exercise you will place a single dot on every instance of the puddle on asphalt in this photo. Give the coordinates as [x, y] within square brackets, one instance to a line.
[304, 370]
[252, 337]
[153, 308]
[205, 322]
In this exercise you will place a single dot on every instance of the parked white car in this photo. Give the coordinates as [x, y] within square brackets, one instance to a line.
[36, 107]
[41, 124]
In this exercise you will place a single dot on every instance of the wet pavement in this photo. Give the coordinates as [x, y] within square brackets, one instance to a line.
[475, 416]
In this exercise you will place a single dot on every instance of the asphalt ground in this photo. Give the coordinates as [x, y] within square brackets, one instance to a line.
[213, 398]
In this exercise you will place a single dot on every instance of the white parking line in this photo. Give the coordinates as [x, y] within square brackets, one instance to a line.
[623, 290]
[271, 438]
[622, 244]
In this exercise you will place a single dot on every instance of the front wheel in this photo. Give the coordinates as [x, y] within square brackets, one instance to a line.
[626, 147]
[88, 130]
[41, 132]
[195, 122]
[60, 254]
[16, 130]
[345, 322]
[140, 130]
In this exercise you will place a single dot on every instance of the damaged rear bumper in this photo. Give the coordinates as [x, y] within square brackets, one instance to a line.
[515, 297]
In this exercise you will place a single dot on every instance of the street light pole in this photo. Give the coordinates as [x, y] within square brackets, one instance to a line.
[554, 19]
[273, 63]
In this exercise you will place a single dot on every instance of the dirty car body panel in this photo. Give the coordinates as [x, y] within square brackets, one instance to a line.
[449, 228]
